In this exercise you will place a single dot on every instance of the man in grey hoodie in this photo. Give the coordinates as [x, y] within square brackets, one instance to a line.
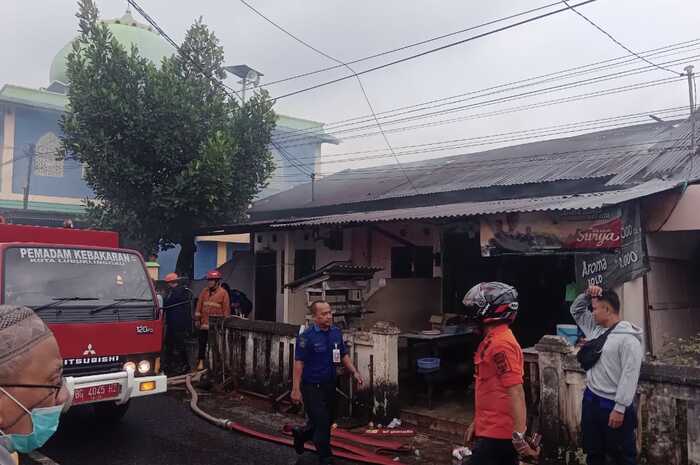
[608, 418]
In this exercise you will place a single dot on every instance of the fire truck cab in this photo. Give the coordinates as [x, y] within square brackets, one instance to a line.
[100, 304]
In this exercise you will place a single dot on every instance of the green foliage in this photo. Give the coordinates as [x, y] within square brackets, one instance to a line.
[166, 150]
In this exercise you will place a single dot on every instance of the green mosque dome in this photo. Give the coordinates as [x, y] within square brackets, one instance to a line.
[128, 32]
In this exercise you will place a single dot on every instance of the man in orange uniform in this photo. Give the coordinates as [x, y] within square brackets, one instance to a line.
[500, 413]
[213, 301]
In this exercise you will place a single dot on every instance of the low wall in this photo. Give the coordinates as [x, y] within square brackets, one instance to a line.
[668, 407]
[259, 356]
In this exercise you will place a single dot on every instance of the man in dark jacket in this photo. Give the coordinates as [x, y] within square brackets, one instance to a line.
[178, 320]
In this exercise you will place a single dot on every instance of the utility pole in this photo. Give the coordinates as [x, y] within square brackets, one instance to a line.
[30, 166]
[313, 186]
[689, 72]
[244, 81]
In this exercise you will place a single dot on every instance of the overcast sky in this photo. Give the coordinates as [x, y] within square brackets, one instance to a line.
[32, 31]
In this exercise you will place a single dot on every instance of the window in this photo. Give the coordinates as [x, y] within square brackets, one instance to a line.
[411, 262]
[304, 262]
[45, 161]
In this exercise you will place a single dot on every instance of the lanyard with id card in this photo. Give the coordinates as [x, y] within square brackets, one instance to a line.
[336, 354]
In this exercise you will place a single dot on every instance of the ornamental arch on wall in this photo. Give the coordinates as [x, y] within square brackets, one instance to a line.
[45, 161]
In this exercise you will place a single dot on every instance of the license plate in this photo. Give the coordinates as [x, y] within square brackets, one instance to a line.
[95, 393]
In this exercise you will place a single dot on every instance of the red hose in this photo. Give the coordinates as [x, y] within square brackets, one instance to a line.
[382, 444]
[358, 454]
[365, 457]
[386, 447]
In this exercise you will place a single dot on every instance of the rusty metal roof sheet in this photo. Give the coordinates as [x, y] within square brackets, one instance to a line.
[620, 156]
[464, 209]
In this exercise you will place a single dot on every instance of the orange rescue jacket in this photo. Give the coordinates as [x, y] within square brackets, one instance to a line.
[210, 303]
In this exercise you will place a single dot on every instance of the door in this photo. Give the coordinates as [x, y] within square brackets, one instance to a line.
[266, 286]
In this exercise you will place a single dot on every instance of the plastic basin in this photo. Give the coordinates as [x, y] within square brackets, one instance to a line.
[428, 363]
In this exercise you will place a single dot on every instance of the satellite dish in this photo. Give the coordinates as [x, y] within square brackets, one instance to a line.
[253, 77]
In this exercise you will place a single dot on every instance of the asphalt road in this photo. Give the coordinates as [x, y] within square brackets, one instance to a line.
[159, 431]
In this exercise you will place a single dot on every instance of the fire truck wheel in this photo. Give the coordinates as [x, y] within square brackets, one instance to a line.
[110, 412]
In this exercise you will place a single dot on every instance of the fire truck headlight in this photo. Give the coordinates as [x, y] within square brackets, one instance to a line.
[129, 366]
[144, 366]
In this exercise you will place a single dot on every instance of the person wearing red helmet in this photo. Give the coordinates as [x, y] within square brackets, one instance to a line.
[498, 430]
[213, 301]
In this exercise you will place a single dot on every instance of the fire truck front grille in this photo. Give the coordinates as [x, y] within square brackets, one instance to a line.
[97, 369]
[81, 314]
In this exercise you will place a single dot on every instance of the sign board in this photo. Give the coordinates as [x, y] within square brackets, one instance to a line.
[551, 231]
[610, 270]
[75, 256]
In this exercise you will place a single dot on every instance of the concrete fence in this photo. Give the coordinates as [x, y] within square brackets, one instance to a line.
[668, 407]
[259, 356]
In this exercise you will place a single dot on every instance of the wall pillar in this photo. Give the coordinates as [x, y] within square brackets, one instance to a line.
[633, 302]
[552, 350]
[288, 270]
[385, 372]
[8, 147]
[221, 254]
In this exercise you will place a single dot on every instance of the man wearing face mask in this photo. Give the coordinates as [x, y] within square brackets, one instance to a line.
[32, 391]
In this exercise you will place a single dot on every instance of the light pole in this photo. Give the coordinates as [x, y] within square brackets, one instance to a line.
[247, 75]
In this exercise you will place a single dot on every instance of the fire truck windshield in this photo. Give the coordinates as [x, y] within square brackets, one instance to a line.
[44, 276]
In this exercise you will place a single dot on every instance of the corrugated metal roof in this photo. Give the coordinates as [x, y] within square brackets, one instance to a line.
[463, 209]
[622, 156]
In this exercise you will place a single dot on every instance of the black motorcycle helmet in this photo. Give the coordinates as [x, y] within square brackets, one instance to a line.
[493, 302]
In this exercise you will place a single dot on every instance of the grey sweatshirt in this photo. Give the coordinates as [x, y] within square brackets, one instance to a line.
[616, 374]
[5, 456]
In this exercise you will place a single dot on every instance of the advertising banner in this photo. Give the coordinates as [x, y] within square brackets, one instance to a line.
[552, 231]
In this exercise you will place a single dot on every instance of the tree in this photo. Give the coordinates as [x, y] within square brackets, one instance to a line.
[166, 150]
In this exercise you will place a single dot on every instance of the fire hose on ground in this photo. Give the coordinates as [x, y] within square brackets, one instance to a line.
[341, 449]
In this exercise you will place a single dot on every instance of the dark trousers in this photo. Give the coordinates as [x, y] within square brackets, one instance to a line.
[203, 340]
[175, 360]
[319, 404]
[488, 451]
[599, 440]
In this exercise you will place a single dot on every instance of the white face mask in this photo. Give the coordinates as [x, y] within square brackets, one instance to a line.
[44, 425]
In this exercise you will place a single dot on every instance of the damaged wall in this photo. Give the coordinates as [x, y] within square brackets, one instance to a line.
[259, 356]
[408, 303]
[668, 407]
[673, 293]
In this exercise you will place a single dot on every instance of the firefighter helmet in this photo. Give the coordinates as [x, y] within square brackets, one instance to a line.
[213, 274]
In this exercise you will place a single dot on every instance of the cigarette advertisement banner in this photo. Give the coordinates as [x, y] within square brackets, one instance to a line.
[626, 264]
[551, 232]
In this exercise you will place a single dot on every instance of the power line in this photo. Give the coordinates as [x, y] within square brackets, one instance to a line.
[412, 45]
[543, 104]
[293, 161]
[504, 140]
[359, 81]
[427, 52]
[336, 129]
[227, 89]
[557, 75]
[573, 127]
[569, 85]
[573, 8]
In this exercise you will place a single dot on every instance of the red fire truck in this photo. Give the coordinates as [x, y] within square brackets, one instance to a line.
[100, 304]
